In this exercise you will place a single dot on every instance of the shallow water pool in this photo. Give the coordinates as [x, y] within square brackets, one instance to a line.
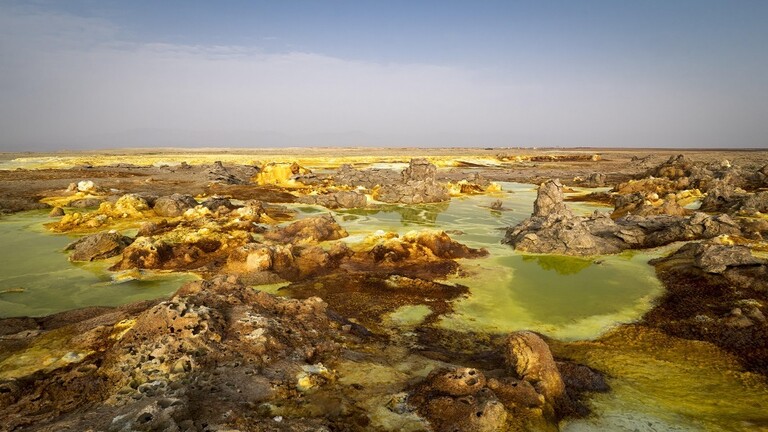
[37, 279]
[659, 383]
[564, 297]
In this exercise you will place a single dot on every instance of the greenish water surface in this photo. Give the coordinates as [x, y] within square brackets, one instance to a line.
[658, 383]
[565, 297]
[37, 279]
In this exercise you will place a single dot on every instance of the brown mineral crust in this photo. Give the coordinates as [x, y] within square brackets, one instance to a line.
[367, 298]
[529, 395]
[715, 293]
[210, 355]
[203, 254]
[308, 231]
[260, 263]
[336, 200]
[250, 192]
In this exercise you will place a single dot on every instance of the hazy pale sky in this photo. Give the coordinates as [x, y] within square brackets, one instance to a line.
[146, 73]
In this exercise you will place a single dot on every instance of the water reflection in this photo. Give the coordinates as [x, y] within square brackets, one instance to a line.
[563, 265]
[419, 215]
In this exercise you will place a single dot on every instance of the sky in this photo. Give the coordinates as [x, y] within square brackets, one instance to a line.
[86, 74]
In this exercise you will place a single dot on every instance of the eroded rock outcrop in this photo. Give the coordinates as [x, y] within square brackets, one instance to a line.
[682, 172]
[725, 198]
[528, 395]
[127, 207]
[215, 356]
[594, 180]
[258, 263]
[336, 200]
[199, 244]
[98, 246]
[306, 231]
[174, 205]
[417, 186]
[642, 204]
[217, 173]
[529, 357]
[346, 175]
[554, 229]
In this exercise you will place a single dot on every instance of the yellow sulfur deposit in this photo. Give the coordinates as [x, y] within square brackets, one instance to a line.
[280, 174]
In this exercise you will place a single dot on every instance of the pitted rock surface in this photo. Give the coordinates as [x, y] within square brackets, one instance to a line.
[212, 357]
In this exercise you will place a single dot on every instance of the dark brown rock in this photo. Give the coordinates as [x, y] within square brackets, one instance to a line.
[716, 258]
[335, 200]
[310, 230]
[595, 180]
[217, 173]
[215, 203]
[98, 246]
[174, 205]
[417, 186]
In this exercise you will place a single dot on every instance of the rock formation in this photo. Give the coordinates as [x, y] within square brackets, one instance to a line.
[528, 356]
[217, 173]
[530, 394]
[595, 180]
[554, 229]
[310, 230]
[346, 175]
[174, 205]
[98, 246]
[642, 204]
[215, 356]
[417, 186]
[336, 200]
